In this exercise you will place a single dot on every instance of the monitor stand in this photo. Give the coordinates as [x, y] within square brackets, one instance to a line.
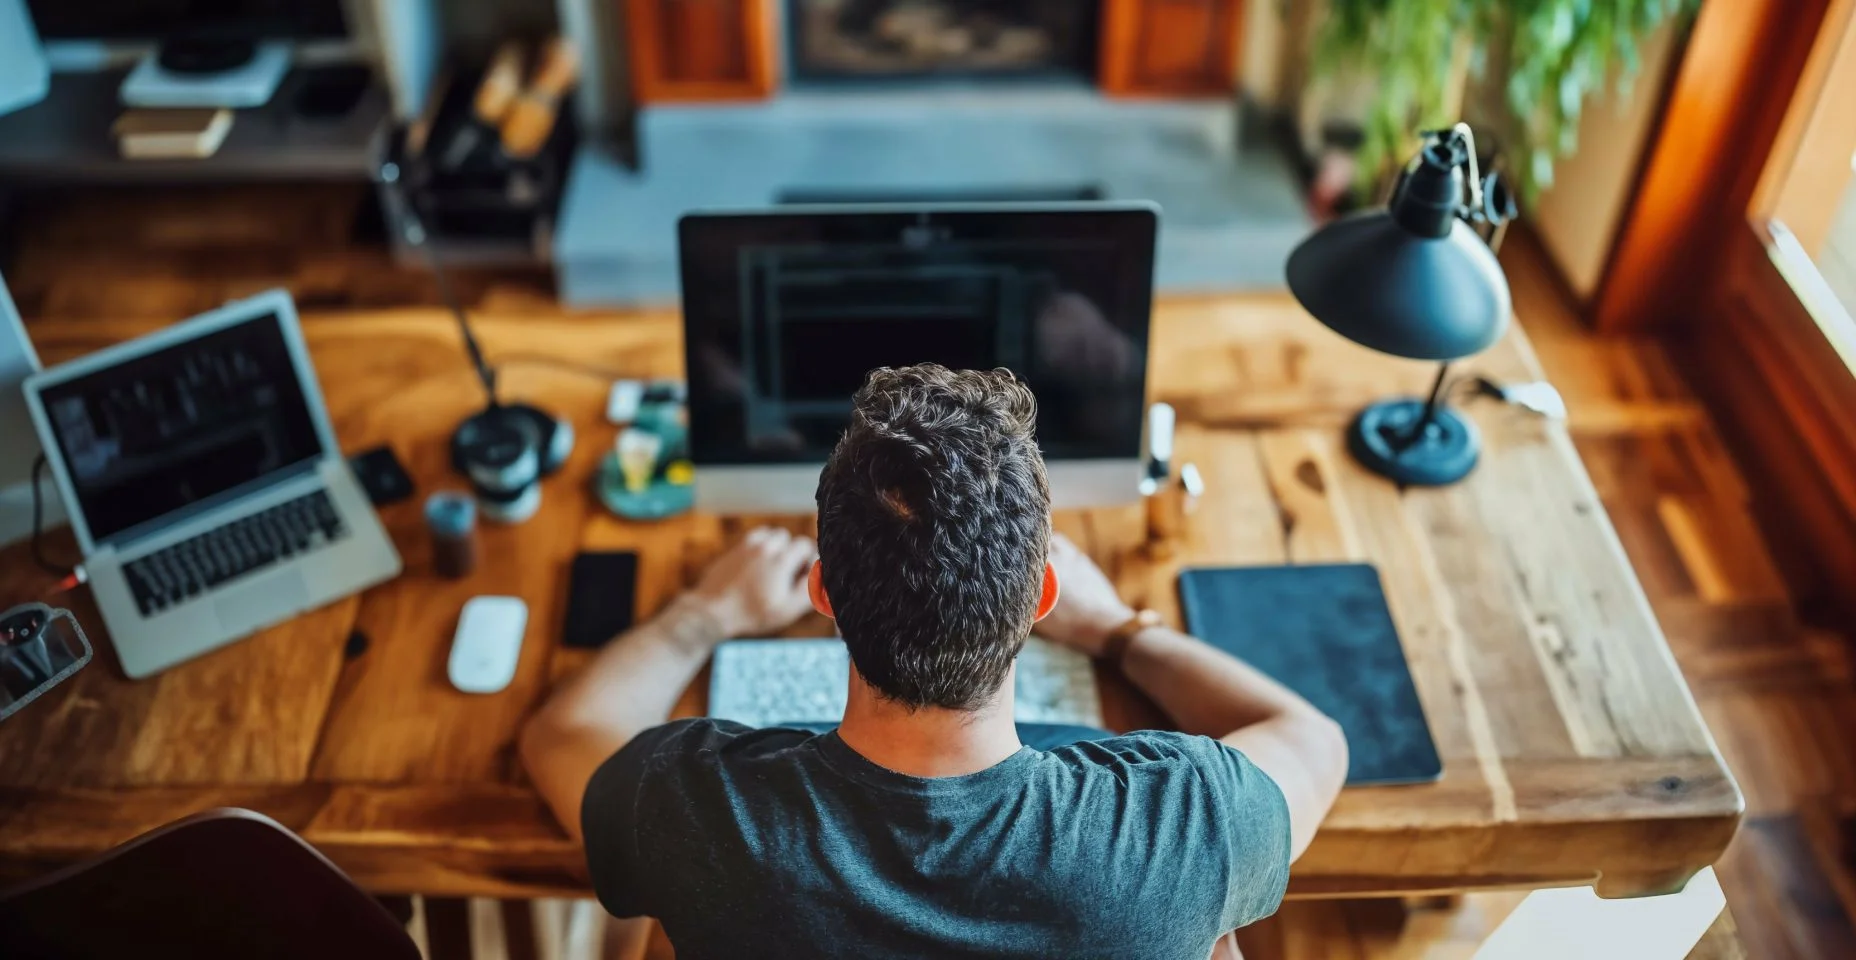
[195, 73]
[759, 489]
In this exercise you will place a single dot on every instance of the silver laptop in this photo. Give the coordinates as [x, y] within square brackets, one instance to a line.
[204, 483]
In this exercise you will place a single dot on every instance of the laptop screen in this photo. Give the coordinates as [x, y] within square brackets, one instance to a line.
[182, 425]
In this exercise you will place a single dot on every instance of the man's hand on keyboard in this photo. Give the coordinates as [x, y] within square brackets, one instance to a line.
[758, 587]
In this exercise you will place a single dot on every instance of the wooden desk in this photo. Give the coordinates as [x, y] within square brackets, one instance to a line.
[1572, 751]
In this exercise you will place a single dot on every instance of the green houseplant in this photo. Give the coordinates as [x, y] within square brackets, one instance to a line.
[1548, 55]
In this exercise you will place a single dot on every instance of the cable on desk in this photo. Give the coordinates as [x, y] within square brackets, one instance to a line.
[71, 576]
[574, 366]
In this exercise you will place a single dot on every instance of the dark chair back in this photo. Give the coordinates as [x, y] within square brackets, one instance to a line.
[224, 883]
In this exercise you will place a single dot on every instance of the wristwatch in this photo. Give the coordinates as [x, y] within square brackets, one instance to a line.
[1116, 645]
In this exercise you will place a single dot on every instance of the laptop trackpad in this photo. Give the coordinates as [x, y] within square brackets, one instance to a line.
[250, 606]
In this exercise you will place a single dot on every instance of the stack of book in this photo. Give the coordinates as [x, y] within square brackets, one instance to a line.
[172, 134]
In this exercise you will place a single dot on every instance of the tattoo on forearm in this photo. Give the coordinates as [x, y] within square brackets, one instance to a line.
[689, 625]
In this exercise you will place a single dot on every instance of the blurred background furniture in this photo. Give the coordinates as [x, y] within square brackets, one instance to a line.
[220, 883]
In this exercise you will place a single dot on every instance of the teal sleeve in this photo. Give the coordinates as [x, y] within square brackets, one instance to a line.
[1255, 817]
[615, 856]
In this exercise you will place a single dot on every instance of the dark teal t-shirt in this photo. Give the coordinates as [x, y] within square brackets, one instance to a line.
[786, 843]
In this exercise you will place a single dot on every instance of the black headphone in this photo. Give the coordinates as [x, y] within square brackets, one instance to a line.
[505, 450]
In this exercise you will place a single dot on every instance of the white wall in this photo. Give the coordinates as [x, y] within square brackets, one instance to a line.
[1578, 217]
[1261, 57]
[1837, 261]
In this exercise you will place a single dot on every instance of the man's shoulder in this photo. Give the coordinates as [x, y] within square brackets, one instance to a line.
[682, 759]
[1148, 746]
[1164, 757]
[707, 738]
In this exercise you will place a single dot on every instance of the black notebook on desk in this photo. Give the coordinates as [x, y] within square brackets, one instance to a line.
[1326, 633]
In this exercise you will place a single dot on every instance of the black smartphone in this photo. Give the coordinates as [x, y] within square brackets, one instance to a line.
[382, 475]
[602, 589]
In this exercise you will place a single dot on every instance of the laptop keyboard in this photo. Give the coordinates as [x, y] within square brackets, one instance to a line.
[180, 572]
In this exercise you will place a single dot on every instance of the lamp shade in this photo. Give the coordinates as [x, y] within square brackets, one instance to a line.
[1372, 279]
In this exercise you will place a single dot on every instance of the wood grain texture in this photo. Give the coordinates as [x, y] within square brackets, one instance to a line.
[1171, 48]
[1782, 394]
[1721, 941]
[1572, 750]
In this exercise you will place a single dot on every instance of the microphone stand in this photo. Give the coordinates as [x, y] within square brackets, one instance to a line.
[497, 433]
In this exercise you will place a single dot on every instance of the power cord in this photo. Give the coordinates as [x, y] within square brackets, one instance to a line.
[69, 576]
[558, 363]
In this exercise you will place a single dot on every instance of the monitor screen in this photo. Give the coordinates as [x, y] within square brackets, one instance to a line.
[182, 425]
[785, 314]
[205, 19]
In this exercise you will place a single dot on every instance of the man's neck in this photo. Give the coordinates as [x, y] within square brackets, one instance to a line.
[929, 741]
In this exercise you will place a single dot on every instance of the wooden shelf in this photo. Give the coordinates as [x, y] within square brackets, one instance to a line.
[66, 138]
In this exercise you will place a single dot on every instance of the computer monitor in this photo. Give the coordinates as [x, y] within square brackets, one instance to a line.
[785, 313]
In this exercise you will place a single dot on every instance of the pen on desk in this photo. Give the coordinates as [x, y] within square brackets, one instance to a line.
[1160, 422]
[1193, 484]
[1165, 510]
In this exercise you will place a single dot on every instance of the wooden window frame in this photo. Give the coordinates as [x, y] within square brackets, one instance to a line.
[1717, 248]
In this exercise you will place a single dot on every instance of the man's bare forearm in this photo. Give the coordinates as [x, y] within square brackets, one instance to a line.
[636, 680]
[630, 687]
[1202, 688]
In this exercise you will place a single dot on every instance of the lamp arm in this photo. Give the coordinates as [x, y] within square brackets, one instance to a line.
[1475, 169]
[1430, 409]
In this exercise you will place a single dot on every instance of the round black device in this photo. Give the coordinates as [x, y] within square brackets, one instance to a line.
[509, 445]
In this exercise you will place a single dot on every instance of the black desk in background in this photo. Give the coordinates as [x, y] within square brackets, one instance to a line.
[66, 138]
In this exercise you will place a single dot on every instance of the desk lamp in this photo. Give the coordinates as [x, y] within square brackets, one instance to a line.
[1416, 280]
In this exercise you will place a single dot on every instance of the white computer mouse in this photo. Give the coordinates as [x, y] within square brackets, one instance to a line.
[488, 644]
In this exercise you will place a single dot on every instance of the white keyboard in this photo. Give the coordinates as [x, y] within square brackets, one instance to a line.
[764, 683]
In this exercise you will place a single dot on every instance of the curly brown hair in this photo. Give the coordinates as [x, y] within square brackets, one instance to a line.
[933, 532]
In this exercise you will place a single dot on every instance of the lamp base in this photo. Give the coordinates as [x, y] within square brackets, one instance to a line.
[1380, 438]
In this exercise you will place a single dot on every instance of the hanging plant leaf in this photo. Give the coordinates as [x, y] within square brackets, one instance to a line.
[1555, 52]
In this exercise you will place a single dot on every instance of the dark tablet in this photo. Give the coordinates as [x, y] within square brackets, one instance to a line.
[1324, 632]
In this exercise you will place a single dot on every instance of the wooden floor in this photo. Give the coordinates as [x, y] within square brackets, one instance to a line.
[1776, 690]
